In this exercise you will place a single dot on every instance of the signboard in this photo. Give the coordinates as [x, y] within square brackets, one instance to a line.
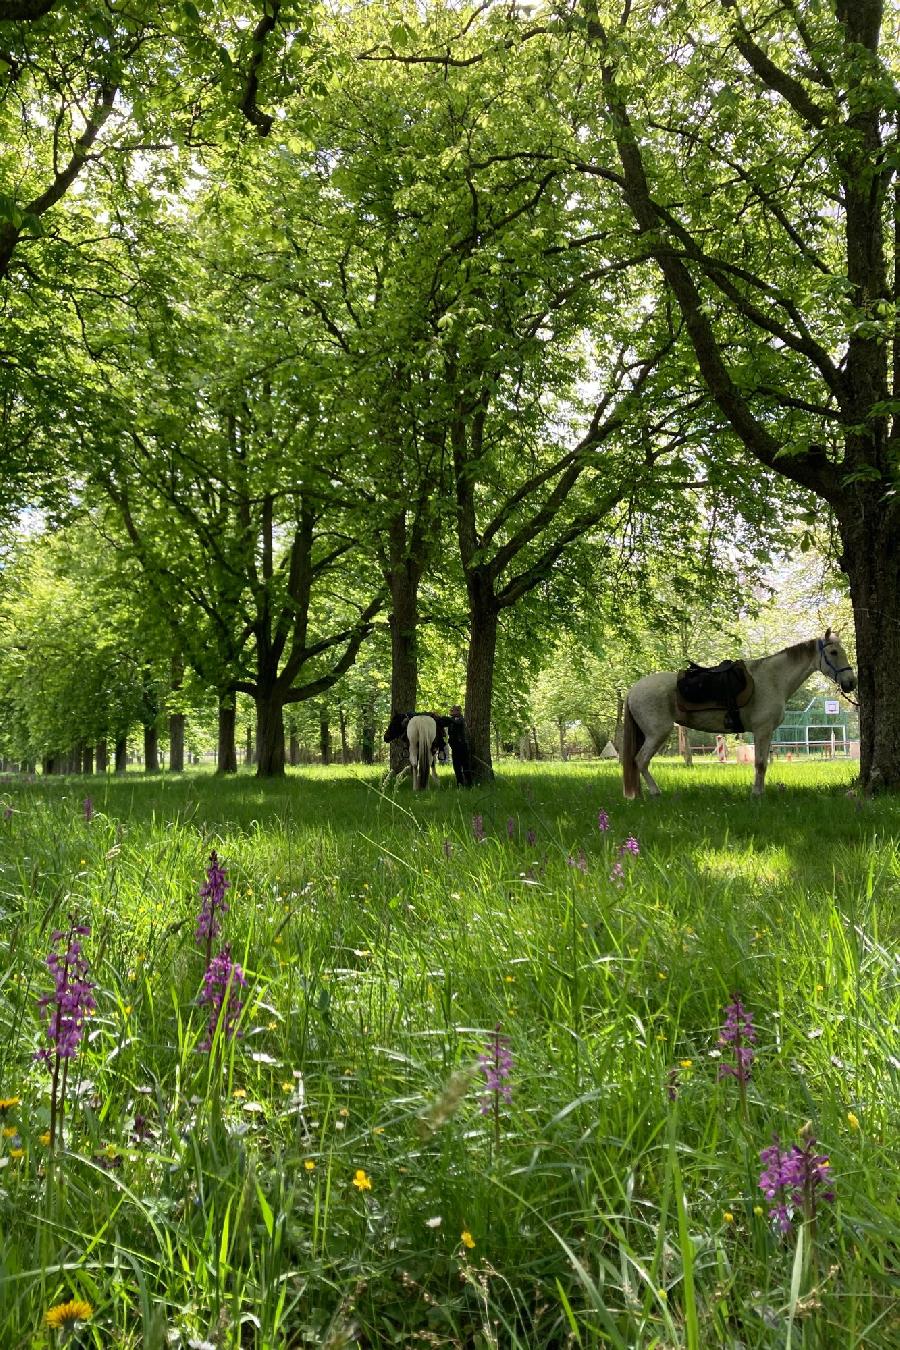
[832, 706]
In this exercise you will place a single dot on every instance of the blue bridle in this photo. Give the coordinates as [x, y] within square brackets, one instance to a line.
[830, 664]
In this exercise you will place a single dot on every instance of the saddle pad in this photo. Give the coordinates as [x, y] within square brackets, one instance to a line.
[705, 688]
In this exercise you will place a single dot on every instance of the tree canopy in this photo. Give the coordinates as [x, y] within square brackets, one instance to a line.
[408, 320]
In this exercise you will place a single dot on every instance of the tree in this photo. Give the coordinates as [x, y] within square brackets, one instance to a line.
[759, 165]
[81, 658]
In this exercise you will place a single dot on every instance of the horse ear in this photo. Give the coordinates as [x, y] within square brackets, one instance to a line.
[828, 634]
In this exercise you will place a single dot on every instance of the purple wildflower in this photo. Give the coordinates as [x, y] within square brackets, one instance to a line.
[510, 827]
[142, 1130]
[72, 999]
[792, 1180]
[580, 862]
[617, 875]
[221, 990]
[88, 808]
[212, 895]
[496, 1063]
[631, 845]
[740, 1034]
[478, 828]
[64, 1012]
[530, 838]
[602, 821]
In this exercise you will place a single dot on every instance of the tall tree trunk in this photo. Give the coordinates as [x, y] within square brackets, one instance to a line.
[151, 749]
[176, 719]
[345, 746]
[561, 728]
[226, 754]
[871, 561]
[480, 679]
[367, 732]
[176, 743]
[121, 754]
[324, 736]
[102, 756]
[294, 751]
[248, 745]
[87, 758]
[269, 735]
[403, 577]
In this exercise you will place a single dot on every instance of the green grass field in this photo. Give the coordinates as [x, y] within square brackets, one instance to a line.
[340, 1174]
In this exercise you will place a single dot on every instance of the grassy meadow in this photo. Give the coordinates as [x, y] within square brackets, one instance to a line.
[346, 1171]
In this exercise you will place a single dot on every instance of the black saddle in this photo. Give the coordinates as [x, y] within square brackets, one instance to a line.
[725, 687]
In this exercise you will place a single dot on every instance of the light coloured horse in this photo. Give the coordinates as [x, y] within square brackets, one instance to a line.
[651, 707]
[421, 732]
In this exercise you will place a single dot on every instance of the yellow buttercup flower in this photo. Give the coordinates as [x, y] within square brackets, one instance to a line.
[9, 1131]
[852, 1120]
[7, 1103]
[17, 1153]
[361, 1181]
[467, 1239]
[686, 1063]
[728, 1216]
[309, 1165]
[76, 1310]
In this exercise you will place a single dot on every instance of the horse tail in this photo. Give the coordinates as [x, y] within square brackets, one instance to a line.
[423, 758]
[632, 740]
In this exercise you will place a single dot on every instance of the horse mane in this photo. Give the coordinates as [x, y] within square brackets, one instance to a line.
[798, 651]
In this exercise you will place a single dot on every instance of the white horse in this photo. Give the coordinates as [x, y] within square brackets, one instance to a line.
[651, 707]
[421, 732]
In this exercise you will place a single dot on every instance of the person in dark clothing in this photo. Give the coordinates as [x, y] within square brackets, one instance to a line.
[459, 747]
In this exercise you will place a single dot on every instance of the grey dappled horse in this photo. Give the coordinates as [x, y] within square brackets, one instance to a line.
[651, 707]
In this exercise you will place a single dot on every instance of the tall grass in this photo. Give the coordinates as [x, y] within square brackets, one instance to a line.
[323, 1179]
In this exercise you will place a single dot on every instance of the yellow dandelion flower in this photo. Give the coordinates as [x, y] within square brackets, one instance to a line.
[17, 1153]
[76, 1310]
[852, 1120]
[7, 1103]
[239, 1094]
[467, 1239]
[9, 1131]
[686, 1063]
[309, 1165]
[728, 1216]
[361, 1181]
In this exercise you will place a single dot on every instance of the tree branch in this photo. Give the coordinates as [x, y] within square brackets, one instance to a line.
[248, 105]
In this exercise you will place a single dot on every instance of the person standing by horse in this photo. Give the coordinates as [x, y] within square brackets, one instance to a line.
[460, 750]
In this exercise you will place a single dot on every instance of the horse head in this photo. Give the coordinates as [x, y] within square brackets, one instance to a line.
[833, 661]
[396, 726]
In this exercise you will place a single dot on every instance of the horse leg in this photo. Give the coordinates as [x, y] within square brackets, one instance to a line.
[653, 741]
[761, 742]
